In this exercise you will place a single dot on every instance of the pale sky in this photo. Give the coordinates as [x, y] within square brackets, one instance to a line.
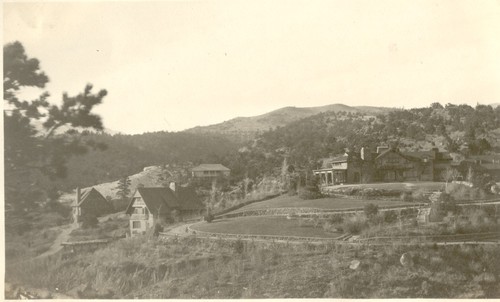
[172, 65]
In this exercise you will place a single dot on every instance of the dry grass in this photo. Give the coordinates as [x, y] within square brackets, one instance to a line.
[28, 245]
[261, 225]
[196, 268]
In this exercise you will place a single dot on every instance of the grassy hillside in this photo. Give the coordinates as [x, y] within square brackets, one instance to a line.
[196, 268]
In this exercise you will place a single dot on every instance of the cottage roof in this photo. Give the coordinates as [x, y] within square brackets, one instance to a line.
[86, 194]
[157, 198]
[210, 167]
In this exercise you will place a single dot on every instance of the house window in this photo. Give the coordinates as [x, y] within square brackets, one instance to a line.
[138, 210]
[136, 224]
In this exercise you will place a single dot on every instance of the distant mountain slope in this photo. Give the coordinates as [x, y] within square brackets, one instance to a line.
[129, 154]
[281, 117]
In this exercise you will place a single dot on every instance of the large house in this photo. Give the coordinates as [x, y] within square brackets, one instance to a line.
[384, 165]
[206, 173]
[151, 205]
[89, 202]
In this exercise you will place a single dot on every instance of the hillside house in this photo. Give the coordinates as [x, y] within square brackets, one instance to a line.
[89, 202]
[385, 165]
[206, 173]
[341, 169]
[151, 205]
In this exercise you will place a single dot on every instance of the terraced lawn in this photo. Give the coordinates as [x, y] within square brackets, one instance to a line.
[402, 186]
[329, 203]
[261, 225]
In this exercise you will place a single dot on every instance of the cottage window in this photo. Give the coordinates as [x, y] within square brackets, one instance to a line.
[136, 224]
[138, 210]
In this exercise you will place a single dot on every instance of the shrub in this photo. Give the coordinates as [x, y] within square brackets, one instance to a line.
[336, 219]
[370, 210]
[309, 192]
[390, 216]
[406, 197]
[239, 247]
[176, 216]
[209, 217]
[354, 224]
[89, 221]
[157, 229]
[419, 195]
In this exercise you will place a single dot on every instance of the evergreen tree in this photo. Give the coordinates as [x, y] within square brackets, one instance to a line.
[123, 187]
[34, 156]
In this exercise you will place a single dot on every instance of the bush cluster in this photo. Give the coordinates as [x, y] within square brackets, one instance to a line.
[463, 192]
[309, 192]
[366, 193]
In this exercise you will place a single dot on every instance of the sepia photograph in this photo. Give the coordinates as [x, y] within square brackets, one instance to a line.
[343, 149]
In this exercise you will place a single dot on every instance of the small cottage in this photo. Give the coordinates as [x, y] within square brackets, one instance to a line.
[89, 202]
[151, 205]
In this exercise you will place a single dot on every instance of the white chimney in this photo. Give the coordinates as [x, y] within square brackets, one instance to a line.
[78, 195]
[381, 149]
[172, 186]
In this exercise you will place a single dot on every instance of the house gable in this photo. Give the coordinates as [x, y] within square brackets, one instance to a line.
[92, 200]
[156, 199]
[393, 157]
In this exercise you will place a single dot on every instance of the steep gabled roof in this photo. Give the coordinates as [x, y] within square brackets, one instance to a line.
[159, 198]
[156, 198]
[210, 167]
[88, 193]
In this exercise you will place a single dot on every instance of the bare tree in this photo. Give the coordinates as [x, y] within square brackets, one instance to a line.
[450, 174]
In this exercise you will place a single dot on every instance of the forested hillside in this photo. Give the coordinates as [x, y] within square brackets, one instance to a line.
[303, 142]
[129, 154]
[449, 128]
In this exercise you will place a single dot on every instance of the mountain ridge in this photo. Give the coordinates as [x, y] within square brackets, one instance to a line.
[281, 117]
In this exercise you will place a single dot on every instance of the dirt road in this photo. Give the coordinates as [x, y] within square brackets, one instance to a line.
[63, 237]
